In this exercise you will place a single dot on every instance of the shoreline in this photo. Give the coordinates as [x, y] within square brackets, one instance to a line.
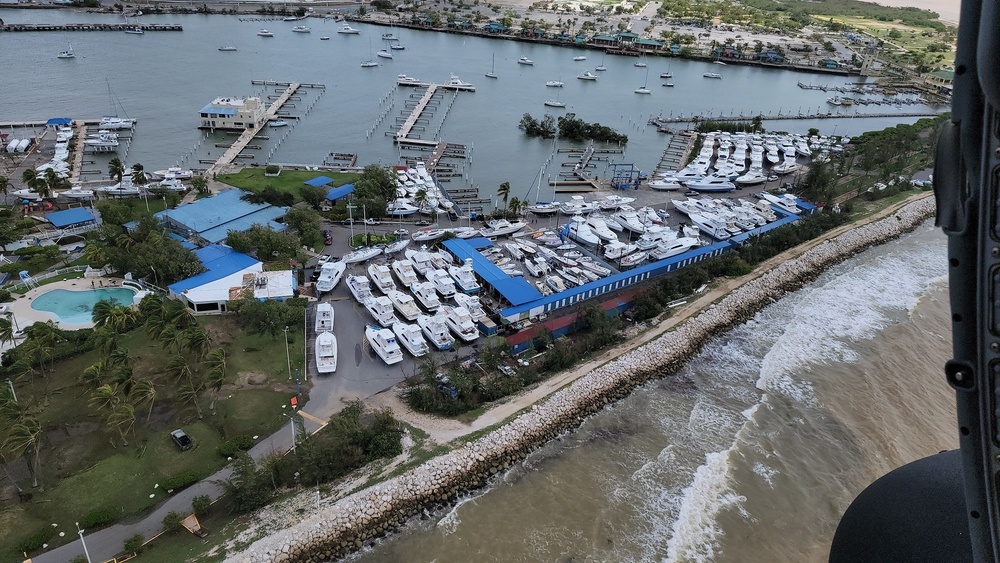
[562, 402]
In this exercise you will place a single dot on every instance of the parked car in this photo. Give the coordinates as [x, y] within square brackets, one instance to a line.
[772, 178]
[182, 440]
[315, 275]
[323, 259]
[328, 236]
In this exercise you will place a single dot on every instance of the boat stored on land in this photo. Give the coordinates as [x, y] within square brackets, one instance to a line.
[360, 288]
[459, 320]
[405, 273]
[404, 304]
[436, 331]
[326, 352]
[329, 276]
[324, 317]
[411, 337]
[381, 276]
[383, 341]
[426, 295]
[381, 310]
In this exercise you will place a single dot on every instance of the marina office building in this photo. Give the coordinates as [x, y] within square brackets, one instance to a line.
[236, 114]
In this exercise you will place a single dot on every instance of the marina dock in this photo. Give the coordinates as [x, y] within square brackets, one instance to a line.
[120, 27]
[661, 121]
[404, 131]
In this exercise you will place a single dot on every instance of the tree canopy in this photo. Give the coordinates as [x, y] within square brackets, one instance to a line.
[263, 243]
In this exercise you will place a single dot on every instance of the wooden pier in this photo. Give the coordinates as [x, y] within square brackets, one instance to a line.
[660, 122]
[233, 152]
[404, 130]
[119, 27]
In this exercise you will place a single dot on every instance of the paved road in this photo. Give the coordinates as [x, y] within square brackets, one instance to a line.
[360, 374]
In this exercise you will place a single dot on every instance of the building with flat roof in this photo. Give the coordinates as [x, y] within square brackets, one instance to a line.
[230, 275]
[236, 114]
[209, 220]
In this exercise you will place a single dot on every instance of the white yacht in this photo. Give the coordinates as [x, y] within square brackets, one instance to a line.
[786, 166]
[556, 283]
[459, 320]
[634, 259]
[537, 267]
[396, 246]
[381, 310]
[543, 208]
[753, 177]
[324, 317]
[427, 234]
[405, 273]
[401, 208]
[596, 268]
[301, 29]
[525, 61]
[629, 219]
[384, 54]
[587, 75]
[105, 141]
[421, 260]
[360, 288]
[329, 276]
[580, 231]
[361, 254]
[348, 30]
[123, 189]
[580, 58]
[114, 123]
[436, 331]
[655, 236]
[514, 250]
[404, 304]
[617, 250]
[172, 185]
[383, 341]
[443, 284]
[265, 33]
[411, 338]
[554, 84]
[502, 227]
[381, 276]
[326, 352]
[426, 295]
[465, 277]
[67, 54]
[26, 193]
[710, 225]
[712, 185]
[785, 202]
[673, 247]
[76, 192]
[665, 185]
[712, 75]
[612, 202]
[472, 304]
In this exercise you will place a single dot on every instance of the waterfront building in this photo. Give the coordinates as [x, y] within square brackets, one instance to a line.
[230, 275]
[236, 114]
[209, 220]
[941, 80]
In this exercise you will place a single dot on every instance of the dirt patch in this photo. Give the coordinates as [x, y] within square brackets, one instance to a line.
[250, 379]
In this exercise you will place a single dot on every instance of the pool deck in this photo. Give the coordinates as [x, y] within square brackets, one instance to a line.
[24, 315]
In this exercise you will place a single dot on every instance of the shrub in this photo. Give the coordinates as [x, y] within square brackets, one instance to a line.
[201, 504]
[271, 169]
[4, 295]
[133, 543]
[35, 540]
[177, 482]
[99, 517]
[235, 445]
[172, 521]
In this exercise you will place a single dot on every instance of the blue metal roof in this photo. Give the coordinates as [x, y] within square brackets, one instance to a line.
[514, 289]
[318, 181]
[478, 243]
[219, 261]
[213, 217]
[59, 121]
[178, 238]
[218, 111]
[337, 193]
[75, 216]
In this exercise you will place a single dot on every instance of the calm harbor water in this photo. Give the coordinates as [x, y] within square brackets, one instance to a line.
[164, 78]
[750, 453]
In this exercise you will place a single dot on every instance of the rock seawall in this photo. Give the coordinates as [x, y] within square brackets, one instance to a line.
[348, 523]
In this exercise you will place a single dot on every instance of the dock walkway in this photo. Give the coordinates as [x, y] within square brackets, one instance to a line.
[244, 139]
[404, 130]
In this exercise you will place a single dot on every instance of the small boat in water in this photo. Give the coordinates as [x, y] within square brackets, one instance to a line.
[301, 29]
[525, 61]
[712, 75]
[325, 38]
[277, 123]
[67, 54]
[265, 33]
[348, 30]
[134, 30]
[227, 48]
[384, 54]
[587, 75]
[383, 341]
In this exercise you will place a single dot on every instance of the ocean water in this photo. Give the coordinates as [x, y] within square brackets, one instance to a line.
[751, 452]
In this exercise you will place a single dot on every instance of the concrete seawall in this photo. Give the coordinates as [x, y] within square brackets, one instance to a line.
[345, 525]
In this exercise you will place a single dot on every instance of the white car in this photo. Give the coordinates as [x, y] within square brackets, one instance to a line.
[772, 178]
[401, 232]
[322, 259]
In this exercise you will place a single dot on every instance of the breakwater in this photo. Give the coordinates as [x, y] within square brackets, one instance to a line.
[345, 525]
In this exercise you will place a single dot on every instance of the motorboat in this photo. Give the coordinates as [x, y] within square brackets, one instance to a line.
[554, 104]
[443, 284]
[580, 58]
[543, 208]
[463, 232]
[381, 276]
[384, 54]
[537, 267]
[421, 260]
[527, 247]
[329, 276]
[369, 64]
[587, 75]
[753, 177]
[405, 273]
[502, 227]
[673, 248]
[577, 206]
[301, 29]
[265, 33]
[125, 188]
[633, 259]
[227, 48]
[26, 193]
[459, 320]
[711, 185]
[655, 236]
[525, 61]
[514, 250]
[441, 260]
[171, 185]
[426, 295]
[612, 202]
[324, 317]
[580, 231]
[664, 185]
[712, 75]
[395, 246]
[457, 83]
[105, 141]
[786, 166]
[436, 331]
[596, 268]
[573, 276]
[360, 288]
[411, 337]
[115, 123]
[404, 80]
[465, 277]
[629, 219]
[67, 54]
[76, 192]
[381, 310]
[348, 30]
[326, 352]
[472, 304]
[543, 288]
[401, 208]
[397, 47]
[404, 304]
[324, 38]
[599, 227]
[277, 123]
[427, 234]
[134, 30]
[666, 75]
[383, 341]
[710, 225]
[556, 283]
[361, 254]
[174, 173]
[554, 84]
[616, 250]
[785, 202]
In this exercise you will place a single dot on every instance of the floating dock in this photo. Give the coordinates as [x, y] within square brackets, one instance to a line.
[120, 27]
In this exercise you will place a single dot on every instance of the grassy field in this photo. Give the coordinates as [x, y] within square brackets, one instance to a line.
[912, 38]
[290, 181]
[85, 467]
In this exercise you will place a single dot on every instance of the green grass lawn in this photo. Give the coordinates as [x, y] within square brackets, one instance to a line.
[253, 179]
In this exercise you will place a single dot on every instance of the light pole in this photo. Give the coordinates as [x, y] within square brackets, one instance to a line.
[85, 552]
[288, 357]
[292, 420]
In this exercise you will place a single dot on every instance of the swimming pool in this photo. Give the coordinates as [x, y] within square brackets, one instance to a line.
[75, 307]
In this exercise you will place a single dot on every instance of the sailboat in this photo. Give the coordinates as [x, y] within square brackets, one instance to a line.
[67, 54]
[555, 103]
[641, 63]
[643, 89]
[370, 62]
[542, 208]
[493, 72]
[601, 67]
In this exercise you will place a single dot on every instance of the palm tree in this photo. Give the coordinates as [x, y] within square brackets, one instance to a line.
[101, 313]
[96, 253]
[105, 397]
[189, 393]
[215, 361]
[4, 184]
[156, 325]
[200, 184]
[196, 340]
[94, 374]
[32, 180]
[504, 192]
[116, 169]
[6, 330]
[143, 391]
[138, 175]
[420, 198]
[52, 183]
[24, 438]
[122, 417]
[178, 369]
[122, 317]
[515, 206]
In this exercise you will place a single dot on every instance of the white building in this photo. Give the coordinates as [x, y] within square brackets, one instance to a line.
[231, 275]
[233, 113]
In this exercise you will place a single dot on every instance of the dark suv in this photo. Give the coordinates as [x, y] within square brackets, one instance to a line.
[182, 440]
[328, 236]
